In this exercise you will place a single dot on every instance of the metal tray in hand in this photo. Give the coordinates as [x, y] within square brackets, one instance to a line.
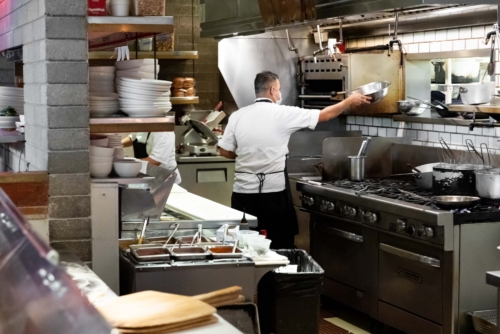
[189, 253]
[485, 322]
[224, 252]
[150, 253]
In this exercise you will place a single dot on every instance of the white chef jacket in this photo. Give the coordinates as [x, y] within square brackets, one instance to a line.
[161, 147]
[259, 135]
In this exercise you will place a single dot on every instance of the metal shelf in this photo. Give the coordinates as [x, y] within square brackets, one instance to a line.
[130, 124]
[181, 55]
[109, 31]
[184, 100]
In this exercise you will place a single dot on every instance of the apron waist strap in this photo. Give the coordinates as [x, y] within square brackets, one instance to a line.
[261, 177]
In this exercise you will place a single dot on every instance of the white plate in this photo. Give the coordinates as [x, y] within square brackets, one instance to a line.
[102, 69]
[12, 90]
[137, 75]
[157, 82]
[144, 104]
[9, 118]
[129, 93]
[151, 82]
[129, 64]
[163, 89]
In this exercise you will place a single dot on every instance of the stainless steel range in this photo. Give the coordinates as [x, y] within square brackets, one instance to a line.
[402, 261]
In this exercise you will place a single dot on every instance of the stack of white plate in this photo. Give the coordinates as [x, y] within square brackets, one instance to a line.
[12, 97]
[10, 122]
[103, 104]
[115, 141]
[137, 69]
[101, 79]
[144, 98]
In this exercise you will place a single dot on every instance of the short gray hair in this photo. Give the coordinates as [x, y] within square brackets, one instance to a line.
[264, 80]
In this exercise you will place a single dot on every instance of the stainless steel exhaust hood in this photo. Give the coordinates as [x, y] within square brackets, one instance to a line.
[227, 18]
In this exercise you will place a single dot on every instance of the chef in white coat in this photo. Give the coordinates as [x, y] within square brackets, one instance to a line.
[257, 137]
[157, 148]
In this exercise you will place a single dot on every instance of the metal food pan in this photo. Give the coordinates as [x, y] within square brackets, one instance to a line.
[188, 253]
[150, 253]
[224, 252]
[160, 240]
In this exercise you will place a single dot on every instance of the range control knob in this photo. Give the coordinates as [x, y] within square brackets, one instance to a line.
[426, 232]
[308, 200]
[327, 206]
[350, 211]
[371, 217]
[400, 225]
[411, 230]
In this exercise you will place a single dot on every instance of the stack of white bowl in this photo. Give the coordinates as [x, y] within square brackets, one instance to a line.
[137, 69]
[144, 98]
[115, 141]
[101, 161]
[103, 104]
[12, 97]
[119, 7]
[101, 79]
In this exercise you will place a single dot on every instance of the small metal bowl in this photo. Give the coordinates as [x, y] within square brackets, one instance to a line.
[405, 106]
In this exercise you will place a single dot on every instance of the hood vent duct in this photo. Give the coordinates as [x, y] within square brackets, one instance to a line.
[227, 18]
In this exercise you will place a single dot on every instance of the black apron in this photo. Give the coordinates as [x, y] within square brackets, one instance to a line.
[140, 149]
[292, 215]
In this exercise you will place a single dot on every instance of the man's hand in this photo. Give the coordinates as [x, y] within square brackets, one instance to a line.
[357, 99]
[227, 154]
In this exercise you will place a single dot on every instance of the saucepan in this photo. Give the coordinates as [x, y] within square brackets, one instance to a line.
[424, 176]
[448, 202]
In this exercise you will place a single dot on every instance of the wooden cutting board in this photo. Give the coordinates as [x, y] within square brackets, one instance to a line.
[148, 309]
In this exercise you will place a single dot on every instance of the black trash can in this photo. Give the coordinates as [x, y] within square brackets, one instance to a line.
[290, 302]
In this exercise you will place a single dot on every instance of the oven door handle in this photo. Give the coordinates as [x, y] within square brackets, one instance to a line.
[429, 261]
[340, 233]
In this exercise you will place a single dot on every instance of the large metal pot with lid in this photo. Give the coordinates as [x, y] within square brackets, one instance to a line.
[454, 179]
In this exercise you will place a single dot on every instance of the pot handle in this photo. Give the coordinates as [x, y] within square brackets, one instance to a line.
[463, 90]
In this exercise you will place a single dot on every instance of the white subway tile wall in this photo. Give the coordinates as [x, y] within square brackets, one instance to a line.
[425, 134]
[469, 38]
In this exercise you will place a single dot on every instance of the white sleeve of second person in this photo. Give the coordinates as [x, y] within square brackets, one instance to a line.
[296, 118]
[228, 141]
[160, 150]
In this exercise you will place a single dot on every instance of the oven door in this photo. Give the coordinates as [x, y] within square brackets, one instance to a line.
[411, 277]
[338, 248]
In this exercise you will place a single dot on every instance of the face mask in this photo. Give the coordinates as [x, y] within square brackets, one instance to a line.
[280, 99]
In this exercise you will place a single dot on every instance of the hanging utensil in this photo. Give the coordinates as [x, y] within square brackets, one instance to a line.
[364, 147]
[171, 235]
[491, 65]
[487, 152]
[447, 150]
[143, 232]
[470, 144]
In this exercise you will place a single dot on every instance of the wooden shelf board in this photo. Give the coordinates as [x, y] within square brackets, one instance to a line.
[184, 100]
[135, 24]
[129, 124]
[143, 55]
[484, 108]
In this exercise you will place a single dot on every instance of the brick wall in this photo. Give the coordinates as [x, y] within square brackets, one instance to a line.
[468, 38]
[187, 37]
[53, 35]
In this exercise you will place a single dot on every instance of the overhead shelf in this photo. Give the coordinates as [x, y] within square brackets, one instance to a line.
[147, 54]
[109, 31]
[185, 100]
[130, 124]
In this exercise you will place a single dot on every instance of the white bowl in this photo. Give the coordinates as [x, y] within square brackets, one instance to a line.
[100, 169]
[127, 168]
[99, 142]
[101, 89]
[101, 151]
[119, 2]
[134, 63]
[94, 158]
[101, 76]
[120, 9]
[102, 69]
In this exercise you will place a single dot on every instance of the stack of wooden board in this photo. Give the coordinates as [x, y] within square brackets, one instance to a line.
[152, 312]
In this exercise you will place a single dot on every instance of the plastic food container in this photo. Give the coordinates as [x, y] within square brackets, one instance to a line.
[260, 246]
[148, 7]
[165, 42]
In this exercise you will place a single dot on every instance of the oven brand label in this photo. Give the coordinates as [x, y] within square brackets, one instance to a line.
[403, 273]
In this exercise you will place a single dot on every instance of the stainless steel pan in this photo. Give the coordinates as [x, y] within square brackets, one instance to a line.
[448, 202]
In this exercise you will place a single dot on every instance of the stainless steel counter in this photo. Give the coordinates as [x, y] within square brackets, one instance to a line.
[194, 160]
